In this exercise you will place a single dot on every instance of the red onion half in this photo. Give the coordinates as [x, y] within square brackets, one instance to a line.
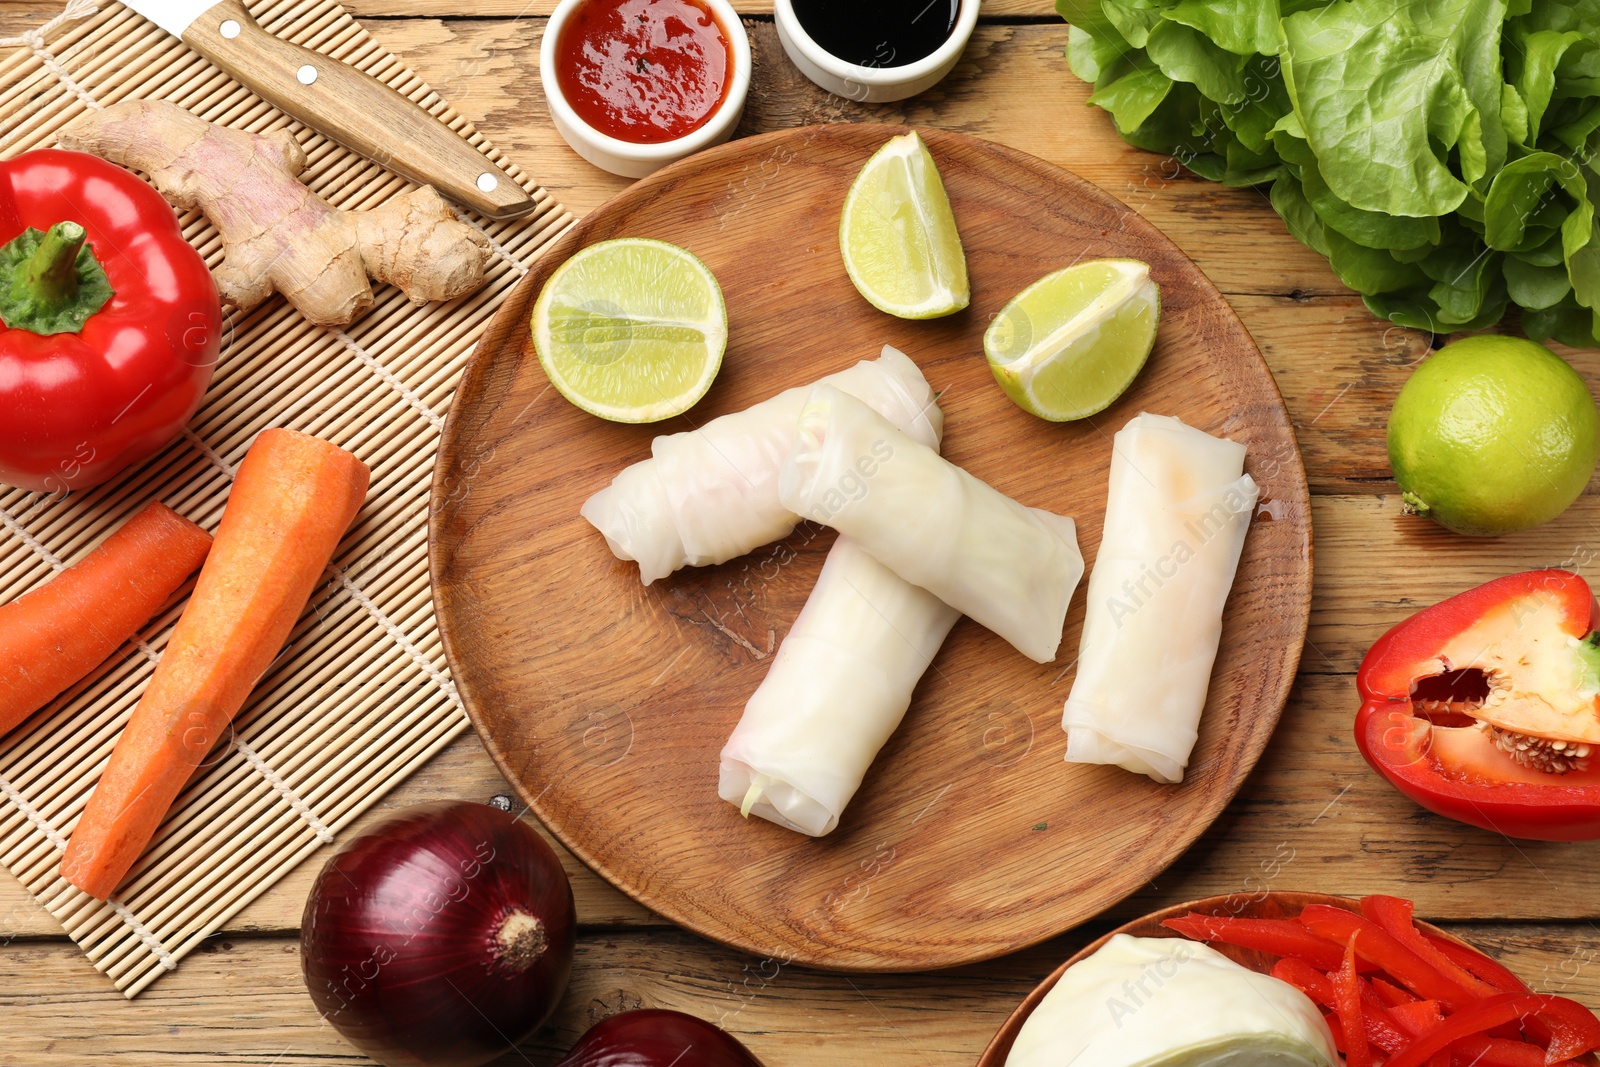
[439, 938]
[651, 1037]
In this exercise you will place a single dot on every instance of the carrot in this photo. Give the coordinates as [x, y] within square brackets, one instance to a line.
[52, 636]
[293, 498]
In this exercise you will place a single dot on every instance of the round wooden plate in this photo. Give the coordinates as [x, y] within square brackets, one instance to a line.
[606, 702]
[1258, 905]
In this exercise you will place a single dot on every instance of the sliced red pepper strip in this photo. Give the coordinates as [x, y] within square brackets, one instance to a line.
[1306, 978]
[1381, 1030]
[1347, 1002]
[1374, 944]
[1480, 1051]
[1417, 1017]
[1574, 1028]
[1391, 994]
[1498, 976]
[1333, 1028]
[1395, 916]
[1319, 987]
[1485, 967]
[1281, 937]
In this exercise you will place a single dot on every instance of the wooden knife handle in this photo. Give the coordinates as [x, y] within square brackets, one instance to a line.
[354, 109]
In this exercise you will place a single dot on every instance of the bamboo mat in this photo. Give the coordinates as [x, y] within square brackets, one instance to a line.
[361, 696]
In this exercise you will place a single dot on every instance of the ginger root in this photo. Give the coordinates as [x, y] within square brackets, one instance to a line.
[276, 233]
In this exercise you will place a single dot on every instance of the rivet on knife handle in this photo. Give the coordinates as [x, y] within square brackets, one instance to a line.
[354, 109]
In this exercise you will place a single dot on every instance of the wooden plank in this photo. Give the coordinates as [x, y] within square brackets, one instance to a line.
[243, 1002]
[19, 15]
[1367, 580]
[992, 9]
[1013, 86]
[463, 771]
[1338, 366]
[1375, 566]
[1312, 816]
[1339, 369]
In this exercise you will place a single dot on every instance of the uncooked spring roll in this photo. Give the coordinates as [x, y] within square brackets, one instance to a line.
[708, 495]
[1176, 517]
[836, 690]
[1010, 567]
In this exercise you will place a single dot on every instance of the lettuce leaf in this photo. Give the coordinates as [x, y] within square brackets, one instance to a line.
[1244, 27]
[1184, 54]
[1134, 96]
[1382, 91]
[1443, 154]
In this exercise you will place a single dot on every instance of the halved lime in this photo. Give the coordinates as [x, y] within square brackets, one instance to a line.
[898, 235]
[1072, 342]
[631, 330]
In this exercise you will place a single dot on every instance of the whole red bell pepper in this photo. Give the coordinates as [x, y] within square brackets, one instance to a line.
[1485, 708]
[110, 324]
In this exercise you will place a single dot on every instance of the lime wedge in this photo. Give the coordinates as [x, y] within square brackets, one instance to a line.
[631, 330]
[899, 236]
[1073, 341]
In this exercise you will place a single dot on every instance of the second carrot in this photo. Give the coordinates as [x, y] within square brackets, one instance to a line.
[292, 500]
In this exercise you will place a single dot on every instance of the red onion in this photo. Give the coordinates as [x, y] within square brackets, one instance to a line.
[439, 938]
[651, 1037]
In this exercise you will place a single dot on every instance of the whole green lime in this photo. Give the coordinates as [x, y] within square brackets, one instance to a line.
[1493, 434]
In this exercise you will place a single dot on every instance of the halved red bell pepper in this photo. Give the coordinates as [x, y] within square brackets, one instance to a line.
[1485, 708]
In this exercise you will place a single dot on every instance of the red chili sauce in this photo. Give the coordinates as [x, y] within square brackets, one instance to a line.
[644, 71]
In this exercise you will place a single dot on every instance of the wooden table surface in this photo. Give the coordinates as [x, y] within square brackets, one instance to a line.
[1311, 817]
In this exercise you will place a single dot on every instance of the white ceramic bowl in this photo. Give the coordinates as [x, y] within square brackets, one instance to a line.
[627, 158]
[871, 84]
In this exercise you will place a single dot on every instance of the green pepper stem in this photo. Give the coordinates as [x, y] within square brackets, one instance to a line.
[50, 282]
[51, 274]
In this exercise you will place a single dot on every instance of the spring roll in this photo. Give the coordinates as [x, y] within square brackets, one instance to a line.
[1176, 517]
[836, 690]
[708, 495]
[1010, 567]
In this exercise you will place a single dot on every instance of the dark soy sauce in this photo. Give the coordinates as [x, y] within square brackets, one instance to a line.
[878, 33]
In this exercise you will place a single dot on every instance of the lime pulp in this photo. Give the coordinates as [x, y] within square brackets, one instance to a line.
[631, 330]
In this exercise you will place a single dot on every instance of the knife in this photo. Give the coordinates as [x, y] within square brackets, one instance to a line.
[336, 100]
